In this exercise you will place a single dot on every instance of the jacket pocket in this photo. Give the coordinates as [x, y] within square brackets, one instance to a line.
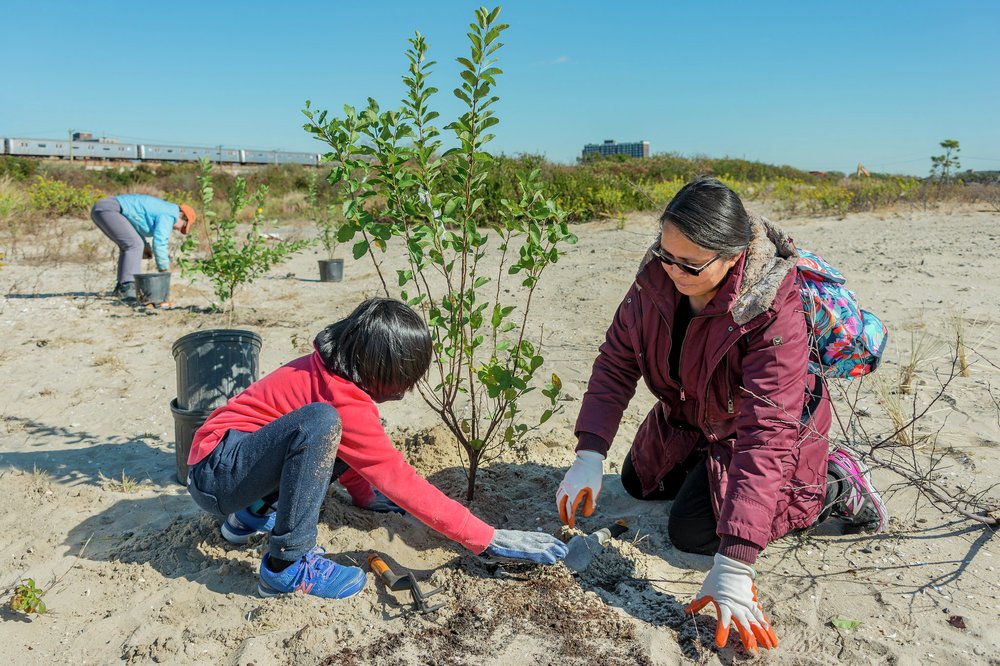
[722, 399]
[659, 446]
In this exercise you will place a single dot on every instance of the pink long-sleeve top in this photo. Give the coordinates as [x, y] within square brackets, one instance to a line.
[364, 445]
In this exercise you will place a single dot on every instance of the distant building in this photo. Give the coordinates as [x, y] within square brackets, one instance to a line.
[89, 136]
[611, 147]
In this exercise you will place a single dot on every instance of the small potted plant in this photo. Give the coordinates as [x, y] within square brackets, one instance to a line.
[330, 269]
[325, 217]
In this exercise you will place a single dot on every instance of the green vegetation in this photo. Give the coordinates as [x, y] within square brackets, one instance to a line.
[58, 198]
[593, 188]
[463, 241]
[610, 187]
[231, 262]
[942, 166]
[324, 216]
[27, 598]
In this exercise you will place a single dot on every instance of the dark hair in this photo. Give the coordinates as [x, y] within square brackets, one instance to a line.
[383, 346]
[710, 215]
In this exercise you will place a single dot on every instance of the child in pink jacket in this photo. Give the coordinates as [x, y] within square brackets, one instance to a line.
[264, 461]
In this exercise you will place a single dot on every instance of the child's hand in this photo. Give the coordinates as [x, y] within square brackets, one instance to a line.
[382, 504]
[532, 546]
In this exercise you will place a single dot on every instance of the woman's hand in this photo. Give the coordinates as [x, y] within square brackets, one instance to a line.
[532, 546]
[730, 587]
[582, 484]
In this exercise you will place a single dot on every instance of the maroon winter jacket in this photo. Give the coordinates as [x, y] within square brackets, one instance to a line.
[741, 397]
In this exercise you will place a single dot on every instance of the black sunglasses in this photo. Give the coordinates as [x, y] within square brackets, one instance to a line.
[667, 260]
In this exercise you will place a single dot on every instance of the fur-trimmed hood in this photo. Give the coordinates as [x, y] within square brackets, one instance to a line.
[769, 257]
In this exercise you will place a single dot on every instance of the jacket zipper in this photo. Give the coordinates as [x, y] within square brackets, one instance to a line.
[681, 355]
[729, 385]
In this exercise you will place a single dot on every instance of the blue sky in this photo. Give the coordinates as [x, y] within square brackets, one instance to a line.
[813, 85]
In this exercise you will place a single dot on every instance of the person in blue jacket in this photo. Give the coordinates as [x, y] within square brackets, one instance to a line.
[130, 219]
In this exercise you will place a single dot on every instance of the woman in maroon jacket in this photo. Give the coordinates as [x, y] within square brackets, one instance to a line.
[714, 324]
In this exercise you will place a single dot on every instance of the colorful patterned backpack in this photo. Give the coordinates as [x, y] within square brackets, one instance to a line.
[846, 341]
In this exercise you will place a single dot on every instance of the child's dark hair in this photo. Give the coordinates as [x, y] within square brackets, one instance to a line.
[383, 346]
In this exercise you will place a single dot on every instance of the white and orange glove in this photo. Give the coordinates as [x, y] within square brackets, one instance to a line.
[581, 486]
[730, 587]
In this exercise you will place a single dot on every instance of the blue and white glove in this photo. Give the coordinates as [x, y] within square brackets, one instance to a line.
[532, 546]
[382, 504]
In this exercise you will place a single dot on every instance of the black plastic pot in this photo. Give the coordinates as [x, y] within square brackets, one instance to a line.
[186, 423]
[213, 366]
[152, 287]
[331, 270]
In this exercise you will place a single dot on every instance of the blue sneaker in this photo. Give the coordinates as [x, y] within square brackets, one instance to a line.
[312, 574]
[240, 526]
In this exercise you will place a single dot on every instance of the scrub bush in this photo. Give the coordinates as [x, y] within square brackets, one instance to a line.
[232, 262]
[56, 197]
[324, 217]
[18, 168]
[400, 191]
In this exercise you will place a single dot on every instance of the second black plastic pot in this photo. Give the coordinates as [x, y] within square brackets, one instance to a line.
[152, 287]
[186, 423]
[331, 270]
[213, 366]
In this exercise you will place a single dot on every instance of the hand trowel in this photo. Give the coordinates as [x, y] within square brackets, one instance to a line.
[583, 548]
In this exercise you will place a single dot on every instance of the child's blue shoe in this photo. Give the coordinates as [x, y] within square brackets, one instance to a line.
[312, 574]
[240, 526]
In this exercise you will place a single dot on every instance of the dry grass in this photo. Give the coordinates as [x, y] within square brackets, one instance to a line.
[14, 199]
[112, 361]
[893, 405]
[41, 481]
[921, 349]
[126, 484]
[16, 217]
[960, 350]
[290, 204]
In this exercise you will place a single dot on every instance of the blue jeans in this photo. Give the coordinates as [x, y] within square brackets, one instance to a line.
[292, 457]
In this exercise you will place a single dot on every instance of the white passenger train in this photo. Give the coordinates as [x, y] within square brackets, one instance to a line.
[101, 150]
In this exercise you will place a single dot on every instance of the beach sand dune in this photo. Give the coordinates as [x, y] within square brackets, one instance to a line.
[135, 574]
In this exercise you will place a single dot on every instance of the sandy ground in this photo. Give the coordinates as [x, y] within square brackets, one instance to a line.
[137, 574]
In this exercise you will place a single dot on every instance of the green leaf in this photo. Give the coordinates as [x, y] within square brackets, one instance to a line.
[844, 623]
[360, 249]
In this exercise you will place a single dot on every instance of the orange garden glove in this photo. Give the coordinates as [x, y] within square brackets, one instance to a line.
[730, 587]
[581, 485]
